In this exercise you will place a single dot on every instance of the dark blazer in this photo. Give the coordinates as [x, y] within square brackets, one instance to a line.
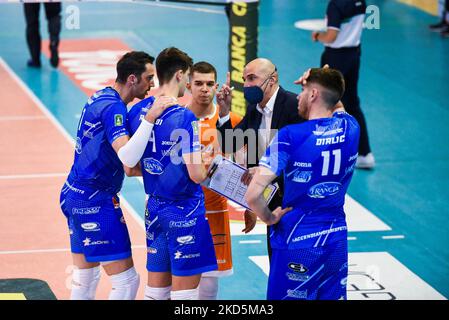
[285, 112]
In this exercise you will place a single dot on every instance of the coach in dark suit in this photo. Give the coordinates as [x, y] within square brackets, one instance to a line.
[270, 107]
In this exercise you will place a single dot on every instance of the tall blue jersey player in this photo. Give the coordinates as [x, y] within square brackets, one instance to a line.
[98, 233]
[179, 241]
[317, 158]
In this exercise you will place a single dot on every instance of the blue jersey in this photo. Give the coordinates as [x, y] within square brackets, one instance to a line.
[96, 164]
[317, 158]
[175, 133]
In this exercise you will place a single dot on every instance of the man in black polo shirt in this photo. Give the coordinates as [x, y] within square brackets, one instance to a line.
[342, 52]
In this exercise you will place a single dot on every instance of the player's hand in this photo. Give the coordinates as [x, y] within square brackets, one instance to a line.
[224, 97]
[277, 215]
[250, 221]
[207, 155]
[158, 107]
[248, 176]
[315, 35]
[303, 79]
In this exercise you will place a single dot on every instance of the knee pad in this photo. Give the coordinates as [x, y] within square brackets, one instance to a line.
[208, 288]
[125, 285]
[84, 283]
[152, 293]
[191, 294]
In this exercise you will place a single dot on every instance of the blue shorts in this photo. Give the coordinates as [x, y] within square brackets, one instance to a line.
[178, 237]
[310, 273]
[97, 227]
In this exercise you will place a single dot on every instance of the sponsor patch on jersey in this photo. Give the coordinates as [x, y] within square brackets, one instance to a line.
[90, 210]
[87, 242]
[195, 128]
[296, 277]
[118, 120]
[116, 203]
[182, 224]
[152, 250]
[90, 226]
[78, 145]
[186, 239]
[180, 255]
[302, 176]
[153, 166]
[324, 189]
[298, 294]
[297, 267]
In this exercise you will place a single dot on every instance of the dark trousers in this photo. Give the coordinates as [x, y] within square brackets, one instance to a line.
[33, 36]
[347, 61]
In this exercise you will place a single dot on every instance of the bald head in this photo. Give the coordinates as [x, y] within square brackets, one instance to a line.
[261, 73]
[261, 66]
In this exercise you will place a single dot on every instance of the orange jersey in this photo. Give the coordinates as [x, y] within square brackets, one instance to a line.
[208, 139]
[216, 205]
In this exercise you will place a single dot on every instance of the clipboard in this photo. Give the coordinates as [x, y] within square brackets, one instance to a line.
[224, 178]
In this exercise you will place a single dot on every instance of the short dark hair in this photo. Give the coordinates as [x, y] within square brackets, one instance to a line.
[169, 61]
[330, 79]
[132, 62]
[204, 67]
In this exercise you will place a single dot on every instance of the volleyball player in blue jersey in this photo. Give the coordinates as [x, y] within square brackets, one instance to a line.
[98, 233]
[317, 159]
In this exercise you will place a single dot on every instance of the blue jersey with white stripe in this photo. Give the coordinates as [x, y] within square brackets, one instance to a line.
[175, 133]
[96, 164]
[317, 158]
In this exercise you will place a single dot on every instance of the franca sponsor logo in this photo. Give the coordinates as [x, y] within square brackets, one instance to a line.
[324, 189]
[153, 166]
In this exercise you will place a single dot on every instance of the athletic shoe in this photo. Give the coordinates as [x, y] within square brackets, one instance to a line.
[438, 27]
[54, 58]
[33, 64]
[445, 32]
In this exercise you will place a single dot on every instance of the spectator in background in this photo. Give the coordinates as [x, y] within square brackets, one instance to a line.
[53, 14]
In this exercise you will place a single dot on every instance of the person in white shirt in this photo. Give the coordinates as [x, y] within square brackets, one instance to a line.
[270, 108]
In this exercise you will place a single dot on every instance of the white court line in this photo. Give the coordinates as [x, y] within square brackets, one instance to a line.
[36, 100]
[250, 241]
[54, 250]
[352, 238]
[23, 118]
[61, 129]
[393, 237]
[33, 176]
